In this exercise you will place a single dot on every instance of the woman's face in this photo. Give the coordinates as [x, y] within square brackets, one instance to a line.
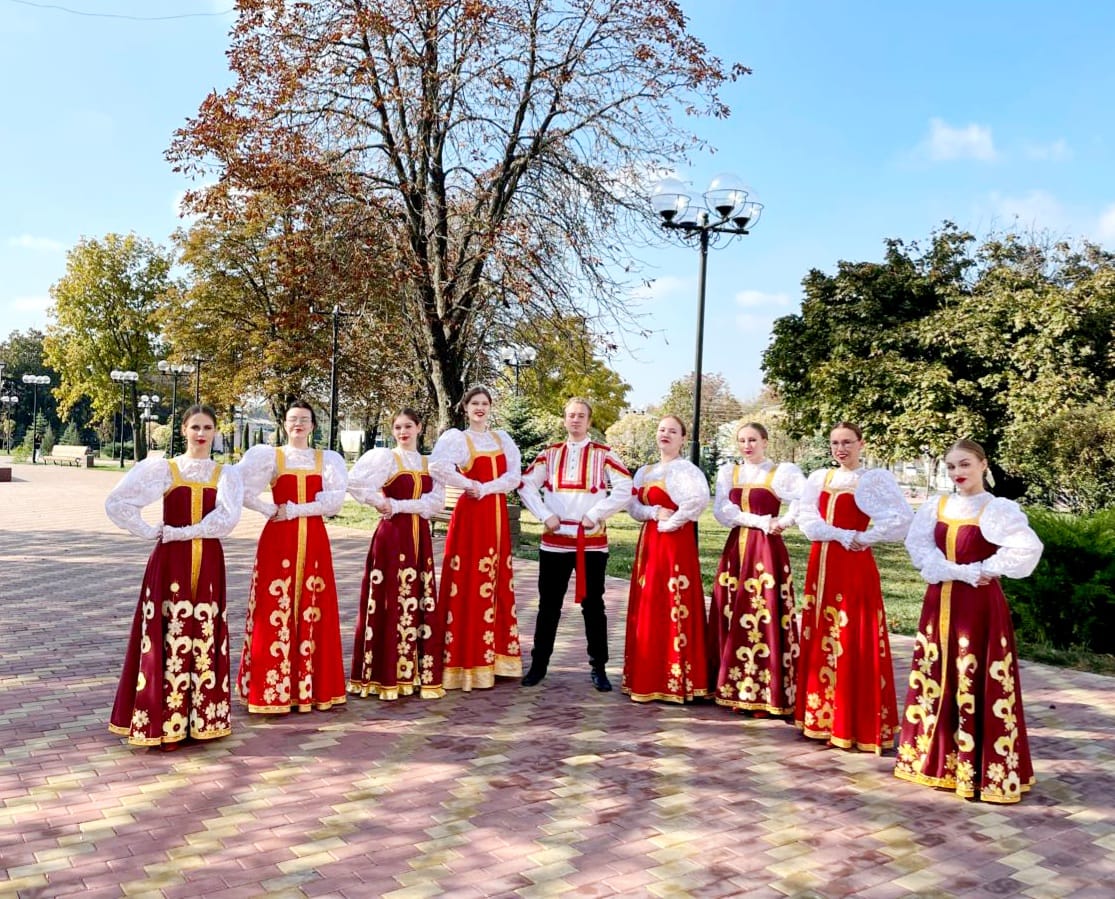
[406, 432]
[299, 424]
[966, 470]
[752, 445]
[670, 438]
[478, 411]
[199, 430]
[845, 447]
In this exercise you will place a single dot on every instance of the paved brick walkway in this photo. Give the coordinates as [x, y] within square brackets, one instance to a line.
[556, 790]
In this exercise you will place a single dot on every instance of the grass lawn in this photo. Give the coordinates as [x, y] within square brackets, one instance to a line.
[903, 587]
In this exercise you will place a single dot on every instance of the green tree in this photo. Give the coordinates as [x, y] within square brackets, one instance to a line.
[1067, 458]
[106, 316]
[71, 436]
[531, 429]
[22, 354]
[953, 341]
[48, 440]
[495, 143]
[633, 437]
[570, 361]
[855, 352]
[263, 281]
[718, 406]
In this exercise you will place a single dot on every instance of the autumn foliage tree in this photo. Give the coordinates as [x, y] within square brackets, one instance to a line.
[494, 148]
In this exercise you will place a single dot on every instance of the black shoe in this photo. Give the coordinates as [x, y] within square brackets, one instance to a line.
[533, 677]
[600, 680]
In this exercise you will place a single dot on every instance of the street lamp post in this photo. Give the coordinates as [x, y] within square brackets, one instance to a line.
[124, 378]
[336, 313]
[197, 360]
[36, 381]
[175, 370]
[517, 358]
[147, 404]
[730, 211]
[10, 400]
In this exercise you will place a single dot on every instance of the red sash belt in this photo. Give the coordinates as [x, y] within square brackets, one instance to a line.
[579, 585]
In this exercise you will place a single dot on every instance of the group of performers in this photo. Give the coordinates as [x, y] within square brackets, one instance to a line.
[829, 669]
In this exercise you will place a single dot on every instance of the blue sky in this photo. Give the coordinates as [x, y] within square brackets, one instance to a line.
[862, 121]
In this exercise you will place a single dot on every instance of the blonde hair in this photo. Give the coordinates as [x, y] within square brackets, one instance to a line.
[578, 401]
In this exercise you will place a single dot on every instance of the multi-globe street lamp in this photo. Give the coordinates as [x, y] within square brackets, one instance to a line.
[197, 361]
[147, 404]
[517, 358]
[10, 401]
[123, 378]
[336, 314]
[730, 211]
[175, 370]
[36, 381]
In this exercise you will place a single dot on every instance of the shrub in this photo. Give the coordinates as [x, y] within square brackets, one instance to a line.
[48, 441]
[1066, 459]
[71, 436]
[1069, 600]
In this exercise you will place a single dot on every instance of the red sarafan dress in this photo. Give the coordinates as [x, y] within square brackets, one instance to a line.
[400, 634]
[477, 592]
[664, 651]
[752, 623]
[175, 682]
[292, 658]
[963, 728]
[845, 690]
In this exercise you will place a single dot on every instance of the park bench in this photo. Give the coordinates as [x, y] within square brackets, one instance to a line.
[70, 454]
[452, 494]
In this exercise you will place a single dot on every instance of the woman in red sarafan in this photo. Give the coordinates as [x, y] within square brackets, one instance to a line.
[175, 682]
[963, 728]
[664, 655]
[752, 624]
[292, 635]
[845, 690]
[477, 593]
[400, 635]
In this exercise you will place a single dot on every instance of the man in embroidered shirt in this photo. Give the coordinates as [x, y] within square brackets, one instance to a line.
[572, 487]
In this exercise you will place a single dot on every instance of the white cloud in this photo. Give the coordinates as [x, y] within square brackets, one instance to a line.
[1058, 151]
[967, 142]
[750, 299]
[30, 304]
[30, 242]
[1106, 227]
[1034, 209]
[663, 288]
[759, 310]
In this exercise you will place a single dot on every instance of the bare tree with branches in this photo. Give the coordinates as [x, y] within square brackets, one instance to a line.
[497, 146]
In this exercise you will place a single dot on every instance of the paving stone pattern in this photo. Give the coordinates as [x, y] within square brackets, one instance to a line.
[554, 790]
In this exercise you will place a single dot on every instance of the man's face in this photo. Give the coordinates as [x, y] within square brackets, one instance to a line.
[577, 421]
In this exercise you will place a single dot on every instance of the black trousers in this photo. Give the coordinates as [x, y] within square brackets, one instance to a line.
[554, 571]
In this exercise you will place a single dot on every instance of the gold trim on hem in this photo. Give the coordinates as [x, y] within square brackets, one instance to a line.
[755, 707]
[294, 707]
[841, 743]
[159, 741]
[665, 697]
[949, 784]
